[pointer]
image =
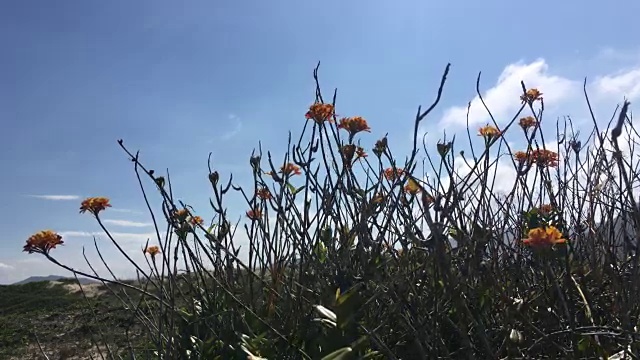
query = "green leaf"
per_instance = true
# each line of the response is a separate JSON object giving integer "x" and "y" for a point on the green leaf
{"x": 291, "y": 188}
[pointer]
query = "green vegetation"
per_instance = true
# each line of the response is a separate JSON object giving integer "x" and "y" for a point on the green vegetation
{"x": 352, "y": 253}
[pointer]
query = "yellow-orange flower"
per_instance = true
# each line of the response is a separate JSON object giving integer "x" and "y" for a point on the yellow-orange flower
{"x": 289, "y": 169}
{"x": 530, "y": 96}
{"x": 520, "y": 156}
{"x": 181, "y": 215}
{"x": 528, "y": 122}
{"x": 42, "y": 242}
{"x": 489, "y": 132}
{"x": 412, "y": 187}
{"x": 94, "y": 205}
{"x": 254, "y": 214}
{"x": 152, "y": 250}
{"x": 389, "y": 174}
{"x": 540, "y": 237}
{"x": 320, "y": 113}
{"x": 196, "y": 220}
{"x": 544, "y": 158}
{"x": 354, "y": 124}
{"x": 263, "y": 193}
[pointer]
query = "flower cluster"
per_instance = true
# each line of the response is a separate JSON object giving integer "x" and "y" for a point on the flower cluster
{"x": 391, "y": 175}
{"x": 544, "y": 236}
{"x": 180, "y": 215}
{"x": 254, "y": 214}
{"x": 263, "y": 193}
{"x": 94, "y": 205}
{"x": 530, "y": 96}
{"x": 152, "y": 250}
{"x": 320, "y": 113}
{"x": 354, "y": 125}
{"x": 489, "y": 132}
{"x": 542, "y": 157}
{"x": 196, "y": 220}
{"x": 528, "y": 122}
{"x": 290, "y": 169}
{"x": 42, "y": 242}
{"x": 520, "y": 156}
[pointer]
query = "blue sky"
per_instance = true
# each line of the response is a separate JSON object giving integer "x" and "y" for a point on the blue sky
{"x": 178, "y": 82}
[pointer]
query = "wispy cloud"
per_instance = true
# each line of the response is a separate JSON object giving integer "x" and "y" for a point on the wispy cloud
{"x": 5, "y": 266}
{"x": 128, "y": 211}
{"x": 56, "y": 197}
{"x": 126, "y": 223}
{"x": 236, "y": 130}
{"x": 118, "y": 236}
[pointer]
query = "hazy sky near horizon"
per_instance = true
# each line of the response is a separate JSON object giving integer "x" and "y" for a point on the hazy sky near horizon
{"x": 177, "y": 82}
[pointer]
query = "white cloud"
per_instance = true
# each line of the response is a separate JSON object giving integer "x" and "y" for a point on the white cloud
{"x": 56, "y": 197}
{"x": 127, "y": 223}
{"x": 5, "y": 266}
{"x": 503, "y": 99}
{"x": 625, "y": 83}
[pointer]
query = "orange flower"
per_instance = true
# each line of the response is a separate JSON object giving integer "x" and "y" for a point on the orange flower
{"x": 289, "y": 169}
{"x": 94, "y": 205}
{"x": 42, "y": 242}
{"x": 520, "y": 156}
{"x": 540, "y": 237}
{"x": 152, "y": 250}
{"x": 528, "y": 122}
{"x": 412, "y": 187}
{"x": 196, "y": 220}
{"x": 544, "y": 158}
{"x": 389, "y": 174}
{"x": 254, "y": 214}
{"x": 489, "y": 132}
{"x": 320, "y": 113}
{"x": 530, "y": 96}
{"x": 181, "y": 214}
{"x": 354, "y": 125}
{"x": 263, "y": 193}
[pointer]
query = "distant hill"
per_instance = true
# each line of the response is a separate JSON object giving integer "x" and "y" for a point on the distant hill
{"x": 83, "y": 281}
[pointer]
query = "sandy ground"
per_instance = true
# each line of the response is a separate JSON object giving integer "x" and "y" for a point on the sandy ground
{"x": 90, "y": 290}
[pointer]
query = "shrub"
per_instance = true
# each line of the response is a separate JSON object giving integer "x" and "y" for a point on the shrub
{"x": 353, "y": 253}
